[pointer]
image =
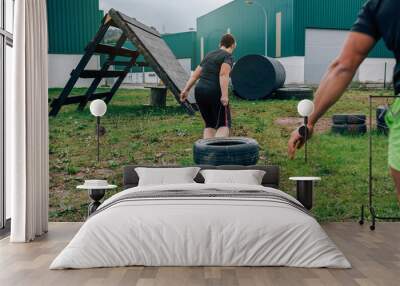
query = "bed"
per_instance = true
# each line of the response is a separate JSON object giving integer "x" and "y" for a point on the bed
{"x": 198, "y": 224}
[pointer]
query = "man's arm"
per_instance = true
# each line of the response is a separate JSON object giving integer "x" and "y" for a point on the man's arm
{"x": 339, "y": 75}
{"x": 224, "y": 82}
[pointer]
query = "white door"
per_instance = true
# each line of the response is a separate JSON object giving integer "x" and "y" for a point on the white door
{"x": 322, "y": 47}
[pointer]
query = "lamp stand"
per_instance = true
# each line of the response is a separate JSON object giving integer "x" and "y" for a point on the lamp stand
{"x": 306, "y": 138}
{"x": 98, "y": 137}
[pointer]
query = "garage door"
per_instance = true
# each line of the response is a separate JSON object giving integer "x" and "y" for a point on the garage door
{"x": 322, "y": 47}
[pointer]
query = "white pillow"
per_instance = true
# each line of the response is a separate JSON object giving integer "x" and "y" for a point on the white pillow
{"x": 166, "y": 176}
{"x": 246, "y": 177}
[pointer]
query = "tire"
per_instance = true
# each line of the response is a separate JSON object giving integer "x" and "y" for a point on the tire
{"x": 380, "y": 120}
{"x": 349, "y": 129}
{"x": 383, "y": 130}
{"x": 356, "y": 119}
{"x": 381, "y": 112}
{"x": 294, "y": 93}
{"x": 226, "y": 151}
{"x": 349, "y": 119}
{"x": 339, "y": 119}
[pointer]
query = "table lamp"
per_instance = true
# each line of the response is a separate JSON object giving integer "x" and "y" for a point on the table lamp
{"x": 305, "y": 108}
{"x": 98, "y": 108}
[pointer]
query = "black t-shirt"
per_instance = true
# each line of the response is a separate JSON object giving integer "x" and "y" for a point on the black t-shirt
{"x": 381, "y": 19}
{"x": 211, "y": 67}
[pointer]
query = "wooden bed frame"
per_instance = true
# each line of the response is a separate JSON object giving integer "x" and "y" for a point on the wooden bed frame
{"x": 271, "y": 177}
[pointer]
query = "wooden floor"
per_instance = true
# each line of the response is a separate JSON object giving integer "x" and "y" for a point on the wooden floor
{"x": 375, "y": 257}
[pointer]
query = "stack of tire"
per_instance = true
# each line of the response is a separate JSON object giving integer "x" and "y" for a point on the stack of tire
{"x": 380, "y": 120}
{"x": 349, "y": 124}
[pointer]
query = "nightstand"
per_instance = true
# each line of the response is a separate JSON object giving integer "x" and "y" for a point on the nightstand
{"x": 304, "y": 190}
{"x": 96, "y": 190}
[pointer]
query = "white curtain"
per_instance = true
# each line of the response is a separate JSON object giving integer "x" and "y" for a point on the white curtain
{"x": 27, "y": 124}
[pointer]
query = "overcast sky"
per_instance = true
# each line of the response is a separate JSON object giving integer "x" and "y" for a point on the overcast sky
{"x": 169, "y": 16}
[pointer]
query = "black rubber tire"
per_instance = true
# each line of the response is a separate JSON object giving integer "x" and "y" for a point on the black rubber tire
{"x": 349, "y": 129}
{"x": 383, "y": 130}
{"x": 381, "y": 112}
{"x": 226, "y": 151}
{"x": 339, "y": 119}
{"x": 298, "y": 93}
{"x": 356, "y": 119}
{"x": 349, "y": 119}
{"x": 380, "y": 120}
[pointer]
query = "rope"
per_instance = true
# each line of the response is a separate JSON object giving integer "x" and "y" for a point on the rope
{"x": 219, "y": 116}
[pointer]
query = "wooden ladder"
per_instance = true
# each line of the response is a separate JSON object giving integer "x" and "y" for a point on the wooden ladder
{"x": 96, "y": 47}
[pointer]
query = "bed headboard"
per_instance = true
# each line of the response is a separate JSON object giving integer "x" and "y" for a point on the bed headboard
{"x": 271, "y": 178}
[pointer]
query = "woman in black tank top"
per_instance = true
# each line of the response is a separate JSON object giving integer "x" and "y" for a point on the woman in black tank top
{"x": 212, "y": 89}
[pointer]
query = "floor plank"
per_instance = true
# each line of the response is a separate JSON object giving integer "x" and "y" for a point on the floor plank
{"x": 375, "y": 257}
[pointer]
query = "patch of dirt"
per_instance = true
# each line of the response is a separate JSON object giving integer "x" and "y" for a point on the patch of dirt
{"x": 291, "y": 123}
{"x": 324, "y": 124}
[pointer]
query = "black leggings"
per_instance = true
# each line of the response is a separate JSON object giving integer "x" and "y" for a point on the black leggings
{"x": 214, "y": 114}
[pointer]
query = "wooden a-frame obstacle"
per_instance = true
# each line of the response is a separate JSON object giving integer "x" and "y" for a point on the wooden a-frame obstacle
{"x": 148, "y": 43}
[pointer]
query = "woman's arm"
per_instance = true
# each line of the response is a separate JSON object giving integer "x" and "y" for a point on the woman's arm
{"x": 192, "y": 81}
{"x": 224, "y": 82}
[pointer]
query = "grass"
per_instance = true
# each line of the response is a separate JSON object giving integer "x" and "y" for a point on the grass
{"x": 138, "y": 134}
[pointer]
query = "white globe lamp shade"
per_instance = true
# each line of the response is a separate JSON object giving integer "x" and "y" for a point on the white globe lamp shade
{"x": 305, "y": 108}
{"x": 98, "y": 108}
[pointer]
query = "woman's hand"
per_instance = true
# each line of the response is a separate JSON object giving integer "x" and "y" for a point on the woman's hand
{"x": 225, "y": 100}
{"x": 184, "y": 95}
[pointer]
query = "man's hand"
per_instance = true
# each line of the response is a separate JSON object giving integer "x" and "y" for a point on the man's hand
{"x": 184, "y": 95}
{"x": 225, "y": 100}
{"x": 296, "y": 141}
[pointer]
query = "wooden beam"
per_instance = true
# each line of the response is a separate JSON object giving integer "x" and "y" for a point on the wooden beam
{"x": 115, "y": 51}
{"x": 119, "y": 63}
{"x": 79, "y": 98}
{"x": 142, "y": 64}
{"x": 100, "y": 74}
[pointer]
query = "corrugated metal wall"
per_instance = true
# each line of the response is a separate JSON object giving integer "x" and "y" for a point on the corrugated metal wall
{"x": 72, "y": 24}
{"x": 247, "y": 24}
{"x": 328, "y": 14}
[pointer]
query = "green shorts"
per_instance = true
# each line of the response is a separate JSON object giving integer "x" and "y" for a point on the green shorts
{"x": 393, "y": 121}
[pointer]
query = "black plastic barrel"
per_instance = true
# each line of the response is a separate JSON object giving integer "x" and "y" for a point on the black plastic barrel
{"x": 257, "y": 77}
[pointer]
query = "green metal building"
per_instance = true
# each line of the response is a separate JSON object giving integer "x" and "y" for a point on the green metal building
{"x": 289, "y": 30}
{"x": 247, "y": 23}
{"x": 305, "y": 35}
{"x": 71, "y": 25}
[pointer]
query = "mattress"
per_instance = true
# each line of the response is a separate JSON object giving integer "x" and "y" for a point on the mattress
{"x": 201, "y": 225}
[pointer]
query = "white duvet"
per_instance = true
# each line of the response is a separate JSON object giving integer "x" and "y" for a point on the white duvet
{"x": 200, "y": 232}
